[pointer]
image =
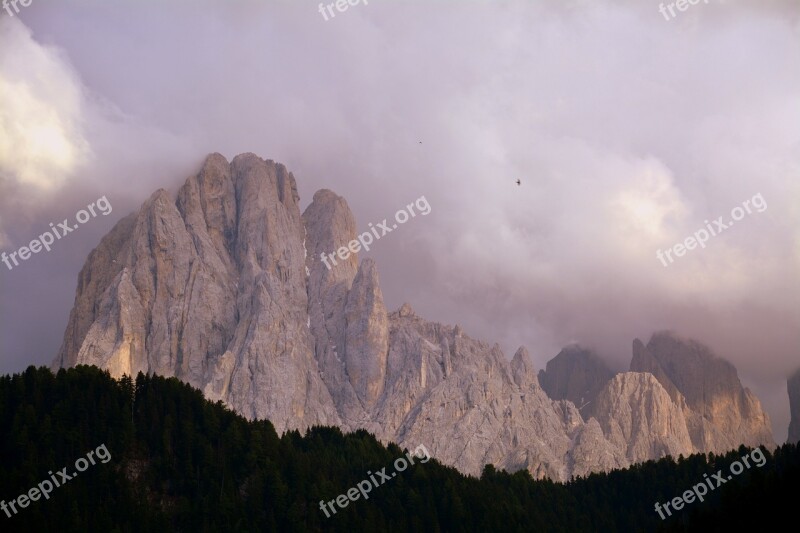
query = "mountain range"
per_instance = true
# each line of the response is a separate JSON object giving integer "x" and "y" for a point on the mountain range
{"x": 222, "y": 287}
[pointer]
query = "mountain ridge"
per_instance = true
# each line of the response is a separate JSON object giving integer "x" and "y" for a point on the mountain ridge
{"x": 222, "y": 288}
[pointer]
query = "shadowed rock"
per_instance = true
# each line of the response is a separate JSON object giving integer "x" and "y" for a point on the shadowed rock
{"x": 577, "y": 375}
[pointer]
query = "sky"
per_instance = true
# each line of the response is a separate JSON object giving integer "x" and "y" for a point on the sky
{"x": 627, "y": 129}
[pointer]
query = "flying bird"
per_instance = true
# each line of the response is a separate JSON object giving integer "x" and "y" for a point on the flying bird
{"x": 519, "y": 182}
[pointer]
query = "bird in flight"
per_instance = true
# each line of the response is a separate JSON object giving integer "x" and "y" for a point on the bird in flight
{"x": 519, "y": 182}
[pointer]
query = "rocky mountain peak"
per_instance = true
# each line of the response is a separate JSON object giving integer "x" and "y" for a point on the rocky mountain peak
{"x": 726, "y": 413}
{"x": 406, "y": 311}
{"x": 651, "y": 428}
{"x": 575, "y": 374}
{"x": 522, "y": 369}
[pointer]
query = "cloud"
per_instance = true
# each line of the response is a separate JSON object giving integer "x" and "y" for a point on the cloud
{"x": 41, "y": 137}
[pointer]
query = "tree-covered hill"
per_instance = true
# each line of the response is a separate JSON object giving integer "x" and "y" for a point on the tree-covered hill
{"x": 181, "y": 463}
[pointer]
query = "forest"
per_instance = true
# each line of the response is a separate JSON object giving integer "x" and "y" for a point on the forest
{"x": 182, "y": 463}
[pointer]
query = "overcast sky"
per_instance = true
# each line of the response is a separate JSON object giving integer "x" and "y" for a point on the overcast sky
{"x": 627, "y": 131}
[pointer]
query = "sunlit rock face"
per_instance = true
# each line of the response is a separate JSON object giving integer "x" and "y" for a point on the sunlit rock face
{"x": 720, "y": 412}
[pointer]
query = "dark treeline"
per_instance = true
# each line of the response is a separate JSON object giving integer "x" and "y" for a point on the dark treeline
{"x": 181, "y": 463}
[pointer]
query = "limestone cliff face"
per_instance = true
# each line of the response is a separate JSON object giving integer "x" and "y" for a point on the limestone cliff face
{"x": 224, "y": 288}
{"x": 793, "y": 386}
{"x": 637, "y": 415}
{"x": 366, "y": 335}
{"x": 211, "y": 289}
{"x": 329, "y": 223}
{"x": 721, "y": 413}
{"x": 471, "y": 406}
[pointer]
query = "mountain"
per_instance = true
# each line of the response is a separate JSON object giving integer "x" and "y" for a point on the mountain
{"x": 793, "y": 386}
{"x": 575, "y": 374}
{"x": 721, "y": 414}
{"x": 645, "y": 429}
{"x": 175, "y": 461}
{"x": 223, "y": 288}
